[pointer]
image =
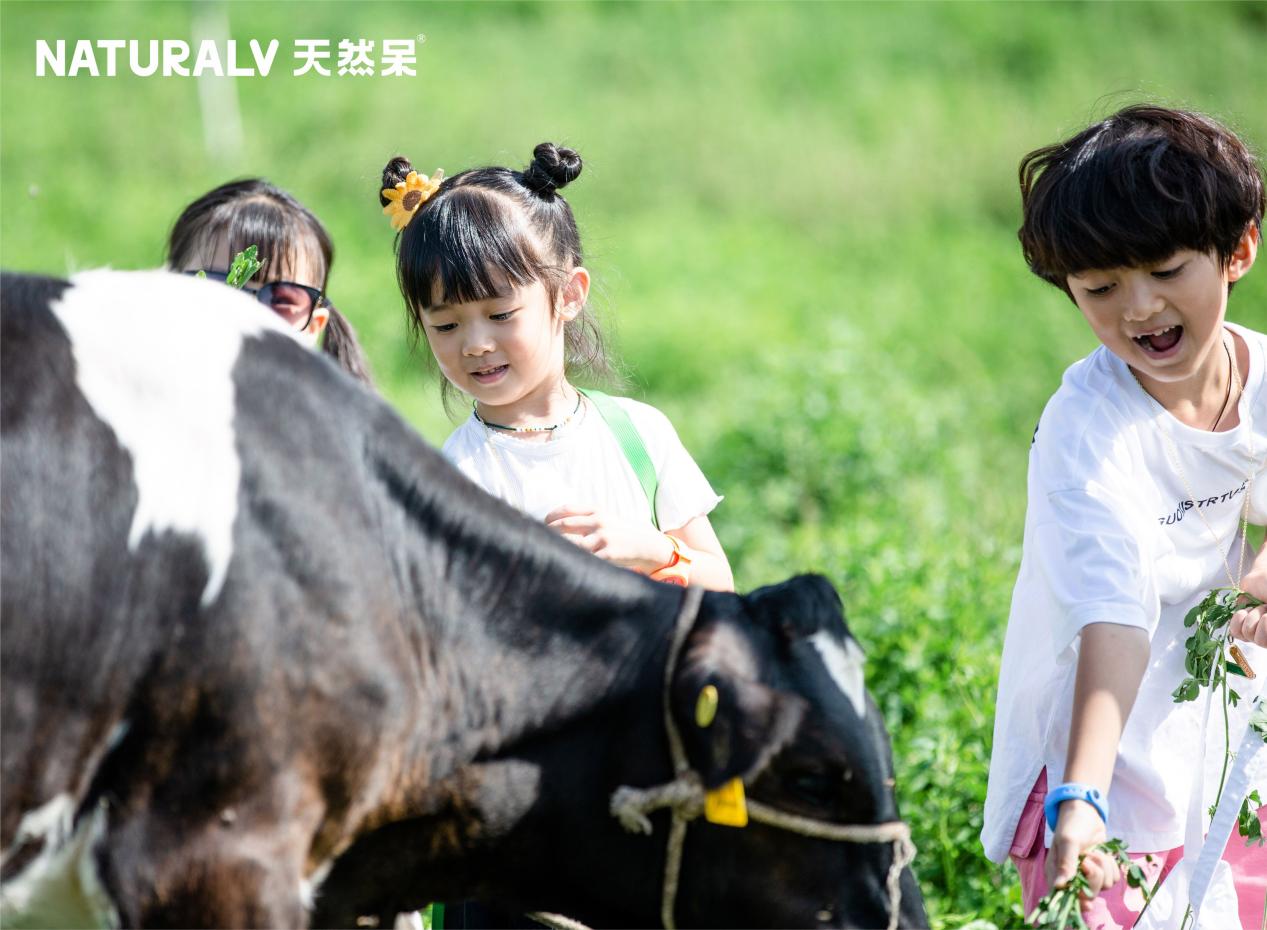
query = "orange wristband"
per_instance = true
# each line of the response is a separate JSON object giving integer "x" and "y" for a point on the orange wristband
{"x": 678, "y": 569}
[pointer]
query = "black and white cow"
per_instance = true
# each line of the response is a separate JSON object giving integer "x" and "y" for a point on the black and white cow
{"x": 267, "y": 659}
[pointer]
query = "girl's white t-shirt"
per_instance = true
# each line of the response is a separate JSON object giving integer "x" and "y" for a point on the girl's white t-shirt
{"x": 582, "y": 465}
{"x": 1114, "y": 534}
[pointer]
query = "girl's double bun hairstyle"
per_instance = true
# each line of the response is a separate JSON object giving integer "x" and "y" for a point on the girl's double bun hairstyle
{"x": 1134, "y": 189}
{"x": 489, "y": 229}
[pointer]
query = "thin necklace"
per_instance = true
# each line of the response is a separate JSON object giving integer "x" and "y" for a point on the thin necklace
{"x": 529, "y": 429}
{"x": 1172, "y": 452}
{"x": 1228, "y": 396}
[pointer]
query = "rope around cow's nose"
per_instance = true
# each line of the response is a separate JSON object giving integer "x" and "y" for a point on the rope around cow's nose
{"x": 684, "y": 796}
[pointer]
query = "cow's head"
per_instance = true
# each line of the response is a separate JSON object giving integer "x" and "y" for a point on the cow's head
{"x": 530, "y": 829}
{"x": 794, "y": 722}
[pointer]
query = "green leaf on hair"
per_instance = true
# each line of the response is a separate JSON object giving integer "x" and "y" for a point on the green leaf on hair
{"x": 243, "y": 267}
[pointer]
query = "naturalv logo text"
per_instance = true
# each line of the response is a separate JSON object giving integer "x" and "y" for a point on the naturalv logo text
{"x": 177, "y": 58}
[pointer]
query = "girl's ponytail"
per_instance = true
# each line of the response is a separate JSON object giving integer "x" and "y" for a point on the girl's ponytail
{"x": 340, "y": 343}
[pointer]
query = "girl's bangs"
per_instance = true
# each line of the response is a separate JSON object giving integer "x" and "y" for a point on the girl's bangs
{"x": 282, "y": 242}
{"x": 469, "y": 248}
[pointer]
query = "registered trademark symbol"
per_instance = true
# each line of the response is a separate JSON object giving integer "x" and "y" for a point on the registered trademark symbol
{"x": 421, "y": 37}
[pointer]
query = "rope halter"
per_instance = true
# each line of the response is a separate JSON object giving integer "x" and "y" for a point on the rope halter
{"x": 684, "y": 797}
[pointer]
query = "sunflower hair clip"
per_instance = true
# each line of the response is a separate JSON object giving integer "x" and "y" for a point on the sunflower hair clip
{"x": 408, "y": 195}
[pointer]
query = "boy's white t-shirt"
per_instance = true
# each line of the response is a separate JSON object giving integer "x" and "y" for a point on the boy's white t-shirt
{"x": 582, "y": 465}
{"x": 1113, "y": 536}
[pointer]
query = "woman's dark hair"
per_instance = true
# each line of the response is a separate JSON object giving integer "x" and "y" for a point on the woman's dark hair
{"x": 488, "y": 226}
{"x": 254, "y": 212}
{"x": 1134, "y": 189}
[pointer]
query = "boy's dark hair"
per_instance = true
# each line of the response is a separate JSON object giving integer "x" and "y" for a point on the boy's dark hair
{"x": 1134, "y": 189}
{"x": 488, "y": 226}
{"x": 250, "y": 212}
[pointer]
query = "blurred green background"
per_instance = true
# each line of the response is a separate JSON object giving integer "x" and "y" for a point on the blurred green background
{"x": 801, "y": 220}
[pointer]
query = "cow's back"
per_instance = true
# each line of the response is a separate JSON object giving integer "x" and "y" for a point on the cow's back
{"x": 72, "y": 643}
{"x": 200, "y": 618}
{"x": 188, "y": 546}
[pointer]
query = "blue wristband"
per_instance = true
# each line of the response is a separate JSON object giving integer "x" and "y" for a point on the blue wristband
{"x": 1074, "y": 791}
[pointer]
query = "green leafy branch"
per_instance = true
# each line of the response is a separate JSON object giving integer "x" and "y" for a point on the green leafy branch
{"x": 1206, "y": 662}
{"x": 1207, "y": 665}
{"x": 1062, "y": 907}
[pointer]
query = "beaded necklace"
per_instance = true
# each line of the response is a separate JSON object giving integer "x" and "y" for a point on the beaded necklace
{"x": 528, "y": 429}
{"x": 1172, "y": 453}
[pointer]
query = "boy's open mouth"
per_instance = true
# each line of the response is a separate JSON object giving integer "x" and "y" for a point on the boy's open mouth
{"x": 1160, "y": 342}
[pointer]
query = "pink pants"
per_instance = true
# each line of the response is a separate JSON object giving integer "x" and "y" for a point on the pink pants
{"x": 1117, "y": 908}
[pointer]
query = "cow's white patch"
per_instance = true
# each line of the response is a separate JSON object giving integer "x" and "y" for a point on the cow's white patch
{"x": 311, "y": 886}
{"x": 49, "y": 822}
{"x": 60, "y": 887}
{"x": 154, "y": 355}
{"x": 845, "y": 665}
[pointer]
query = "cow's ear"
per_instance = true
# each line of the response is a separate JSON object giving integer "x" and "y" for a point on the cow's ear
{"x": 731, "y": 723}
{"x": 798, "y": 607}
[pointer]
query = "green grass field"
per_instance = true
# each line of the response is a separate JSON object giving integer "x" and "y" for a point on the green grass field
{"x": 801, "y": 220}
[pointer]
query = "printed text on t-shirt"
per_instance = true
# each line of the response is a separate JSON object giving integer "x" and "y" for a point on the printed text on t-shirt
{"x": 1184, "y": 506}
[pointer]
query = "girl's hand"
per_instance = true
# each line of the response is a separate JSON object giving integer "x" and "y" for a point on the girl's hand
{"x": 1250, "y": 623}
{"x": 639, "y": 546}
{"x": 1079, "y": 829}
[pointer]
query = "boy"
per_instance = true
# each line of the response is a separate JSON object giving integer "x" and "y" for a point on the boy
{"x": 1147, "y": 465}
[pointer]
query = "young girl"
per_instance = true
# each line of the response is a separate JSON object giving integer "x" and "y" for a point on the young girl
{"x": 295, "y": 251}
{"x": 1147, "y": 465}
{"x": 489, "y": 263}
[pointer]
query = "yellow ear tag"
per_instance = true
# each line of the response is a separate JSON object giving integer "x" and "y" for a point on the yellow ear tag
{"x": 726, "y": 805}
{"x": 706, "y": 706}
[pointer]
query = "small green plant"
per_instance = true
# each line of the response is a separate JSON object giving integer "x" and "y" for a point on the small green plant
{"x": 1207, "y": 665}
{"x": 1247, "y": 823}
{"x": 1207, "y": 662}
{"x": 1062, "y": 908}
{"x": 242, "y": 269}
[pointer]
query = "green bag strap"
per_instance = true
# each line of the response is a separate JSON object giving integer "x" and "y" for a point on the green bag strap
{"x": 630, "y": 443}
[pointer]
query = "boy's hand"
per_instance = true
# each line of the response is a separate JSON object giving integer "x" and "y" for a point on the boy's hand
{"x": 1078, "y": 829}
{"x": 638, "y": 546}
{"x": 1250, "y": 623}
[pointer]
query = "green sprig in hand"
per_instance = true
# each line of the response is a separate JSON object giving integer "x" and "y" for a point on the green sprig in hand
{"x": 1207, "y": 662}
{"x": 1207, "y": 665}
{"x": 1061, "y": 908}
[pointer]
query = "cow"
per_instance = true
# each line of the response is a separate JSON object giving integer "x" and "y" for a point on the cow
{"x": 268, "y": 660}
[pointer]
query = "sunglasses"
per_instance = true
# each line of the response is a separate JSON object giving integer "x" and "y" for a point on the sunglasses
{"x": 294, "y": 303}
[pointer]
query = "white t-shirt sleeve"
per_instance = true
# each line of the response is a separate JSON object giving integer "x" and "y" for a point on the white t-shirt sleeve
{"x": 1093, "y": 567}
{"x": 1090, "y": 534}
{"x": 683, "y": 493}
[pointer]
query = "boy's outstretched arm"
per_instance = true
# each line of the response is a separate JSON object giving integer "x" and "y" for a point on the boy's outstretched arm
{"x": 1111, "y": 663}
